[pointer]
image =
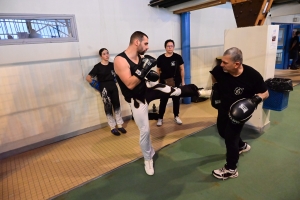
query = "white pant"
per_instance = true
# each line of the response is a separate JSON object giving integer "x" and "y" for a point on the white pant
{"x": 140, "y": 113}
{"x": 141, "y": 119}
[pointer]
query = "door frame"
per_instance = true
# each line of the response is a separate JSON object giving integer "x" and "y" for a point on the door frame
{"x": 286, "y": 44}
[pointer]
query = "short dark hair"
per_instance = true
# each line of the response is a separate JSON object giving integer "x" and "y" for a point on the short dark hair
{"x": 235, "y": 54}
{"x": 137, "y": 35}
{"x": 169, "y": 40}
{"x": 101, "y": 50}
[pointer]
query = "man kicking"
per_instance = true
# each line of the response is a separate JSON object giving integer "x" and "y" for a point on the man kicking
{"x": 139, "y": 87}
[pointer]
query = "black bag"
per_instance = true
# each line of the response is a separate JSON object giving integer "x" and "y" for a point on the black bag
{"x": 152, "y": 113}
{"x": 280, "y": 84}
{"x": 197, "y": 99}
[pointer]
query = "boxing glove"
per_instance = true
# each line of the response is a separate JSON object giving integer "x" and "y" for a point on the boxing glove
{"x": 152, "y": 76}
{"x": 242, "y": 110}
{"x": 145, "y": 66}
{"x": 215, "y": 96}
{"x": 95, "y": 84}
{"x": 256, "y": 100}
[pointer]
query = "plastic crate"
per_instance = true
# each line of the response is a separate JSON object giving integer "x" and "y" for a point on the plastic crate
{"x": 277, "y": 100}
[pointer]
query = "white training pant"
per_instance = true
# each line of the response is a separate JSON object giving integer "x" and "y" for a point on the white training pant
{"x": 140, "y": 114}
{"x": 141, "y": 119}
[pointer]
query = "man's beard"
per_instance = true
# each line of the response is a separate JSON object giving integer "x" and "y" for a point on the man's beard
{"x": 141, "y": 52}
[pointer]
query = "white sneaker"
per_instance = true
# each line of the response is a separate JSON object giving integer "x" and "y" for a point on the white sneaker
{"x": 149, "y": 167}
{"x": 178, "y": 120}
{"x": 159, "y": 122}
{"x": 204, "y": 93}
{"x": 245, "y": 148}
{"x": 224, "y": 173}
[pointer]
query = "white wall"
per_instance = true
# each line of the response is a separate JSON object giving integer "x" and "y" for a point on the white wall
{"x": 285, "y": 9}
{"x": 43, "y": 89}
{"x": 207, "y": 40}
{"x": 284, "y": 13}
{"x": 44, "y": 94}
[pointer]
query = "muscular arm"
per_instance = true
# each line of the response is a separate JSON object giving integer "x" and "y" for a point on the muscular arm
{"x": 181, "y": 67}
{"x": 122, "y": 69}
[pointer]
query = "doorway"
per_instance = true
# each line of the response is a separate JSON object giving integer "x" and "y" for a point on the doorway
{"x": 284, "y": 38}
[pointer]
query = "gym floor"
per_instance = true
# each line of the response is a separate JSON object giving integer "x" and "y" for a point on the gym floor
{"x": 51, "y": 170}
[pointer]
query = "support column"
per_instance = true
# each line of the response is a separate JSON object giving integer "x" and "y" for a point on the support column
{"x": 186, "y": 50}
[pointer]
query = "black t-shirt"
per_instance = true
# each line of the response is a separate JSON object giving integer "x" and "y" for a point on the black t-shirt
{"x": 296, "y": 47}
{"x": 104, "y": 73}
{"x": 170, "y": 66}
{"x": 140, "y": 90}
{"x": 231, "y": 88}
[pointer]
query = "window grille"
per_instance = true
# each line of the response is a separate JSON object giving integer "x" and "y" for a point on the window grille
{"x": 33, "y": 28}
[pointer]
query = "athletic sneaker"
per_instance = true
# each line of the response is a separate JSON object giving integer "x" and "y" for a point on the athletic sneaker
{"x": 178, "y": 120}
{"x": 122, "y": 130}
{"x": 115, "y": 132}
{"x": 149, "y": 167}
{"x": 224, "y": 173}
{"x": 245, "y": 148}
{"x": 159, "y": 122}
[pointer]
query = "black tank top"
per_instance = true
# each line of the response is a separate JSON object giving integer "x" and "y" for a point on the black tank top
{"x": 139, "y": 91}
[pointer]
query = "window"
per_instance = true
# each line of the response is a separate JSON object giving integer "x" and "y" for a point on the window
{"x": 28, "y": 29}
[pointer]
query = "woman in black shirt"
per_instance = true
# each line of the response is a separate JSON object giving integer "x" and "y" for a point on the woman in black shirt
{"x": 103, "y": 76}
{"x": 170, "y": 65}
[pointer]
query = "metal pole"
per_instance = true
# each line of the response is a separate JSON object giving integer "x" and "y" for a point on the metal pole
{"x": 186, "y": 50}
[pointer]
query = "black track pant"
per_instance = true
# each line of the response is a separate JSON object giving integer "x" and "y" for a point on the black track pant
{"x": 231, "y": 133}
{"x": 110, "y": 97}
{"x": 163, "y": 104}
{"x": 295, "y": 56}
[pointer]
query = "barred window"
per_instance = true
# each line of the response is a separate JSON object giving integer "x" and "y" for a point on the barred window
{"x": 28, "y": 29}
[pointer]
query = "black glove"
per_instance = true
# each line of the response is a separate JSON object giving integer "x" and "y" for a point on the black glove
{"x": 256, "y": 100}
{"x": 215, "y": 96}
{"x": 145, "y": 66}
{"x": 242, "y": 110}
{"x": 95, "y": 84}
{"x": 152, "y": 76}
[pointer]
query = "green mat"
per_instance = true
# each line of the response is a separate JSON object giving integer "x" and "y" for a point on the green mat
{"x": 270, "y": 171}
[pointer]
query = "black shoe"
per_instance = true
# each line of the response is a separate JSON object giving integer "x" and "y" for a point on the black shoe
{"x": 122, "y": 130}
{"x": 115, "y": 132}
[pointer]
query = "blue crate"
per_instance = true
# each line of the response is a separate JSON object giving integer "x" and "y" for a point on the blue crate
{"x": 277, "y": 100}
